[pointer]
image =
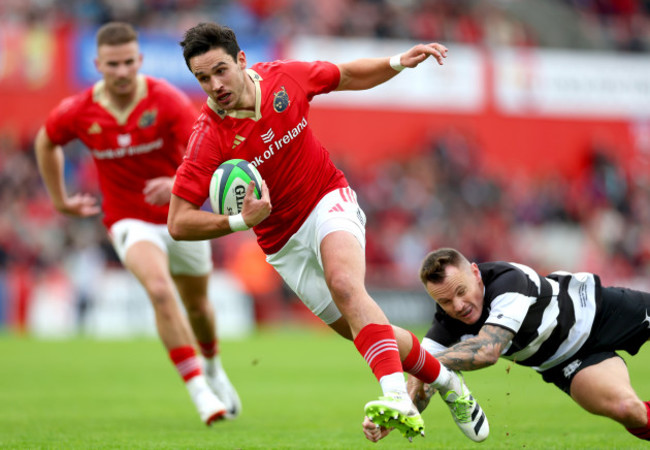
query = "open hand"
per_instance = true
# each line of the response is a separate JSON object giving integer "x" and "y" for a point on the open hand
{"x": 158, "y": 191}
{"x": 80, "y": 205}
{"x": 420, "y": 52}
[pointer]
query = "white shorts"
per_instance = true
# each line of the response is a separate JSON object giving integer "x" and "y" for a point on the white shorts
{"x": 299, "y": 261}
{"x": 185, "y": 257}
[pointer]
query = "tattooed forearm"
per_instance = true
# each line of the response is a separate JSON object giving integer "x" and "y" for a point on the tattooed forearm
{"x": 478, "y": 352}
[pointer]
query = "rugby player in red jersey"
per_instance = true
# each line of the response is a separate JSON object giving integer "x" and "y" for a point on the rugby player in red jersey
{"x": 307, "y": 221}
{"x": 136, "y": 128}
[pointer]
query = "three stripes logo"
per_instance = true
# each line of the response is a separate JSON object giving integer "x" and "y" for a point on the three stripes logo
{"x": 94, "y": 128}
{"x": 268, "y": 136}
{"x": 238, "y": 140}
{"x": 348, "y": 196}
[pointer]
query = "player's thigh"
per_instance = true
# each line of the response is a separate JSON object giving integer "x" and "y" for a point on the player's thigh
{"x": 601, "y": 388}
{"x": 189, "y": 258}
{"x": 190, "y": 264}
{"x": 298, "y": 265}
{"x": 340, "y": 233}
{"x": 342, "y": 256}
{"x": 142, "y": 250}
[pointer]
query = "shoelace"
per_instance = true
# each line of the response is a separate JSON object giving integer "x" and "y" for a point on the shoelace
{"x": 461, "y": 408}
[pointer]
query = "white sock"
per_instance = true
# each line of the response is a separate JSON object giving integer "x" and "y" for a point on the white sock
{"x": 393, "y": 383}
{"x": 196, "y": 385}
{"x": 213, "y": 365}
{"x": 445, "y": 380}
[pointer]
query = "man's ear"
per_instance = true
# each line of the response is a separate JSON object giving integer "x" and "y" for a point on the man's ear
{"x": 475, "y": 271}
{"x": 241, "y": 59}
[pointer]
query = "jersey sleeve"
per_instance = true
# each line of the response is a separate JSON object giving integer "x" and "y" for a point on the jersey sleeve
{"x": 433, "y": 347}
{"x": 59, "y": 124}
{"x": 318, "y": 77}
{"x": 511, "y": 301}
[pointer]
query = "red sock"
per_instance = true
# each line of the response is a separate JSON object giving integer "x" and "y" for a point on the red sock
{"x": 378, "y": 346}
{"x": 186, "y": 362}
{"x": 209, "y": 349}
{"x": 420, "y": 363}
{"x": 643, "y": 432}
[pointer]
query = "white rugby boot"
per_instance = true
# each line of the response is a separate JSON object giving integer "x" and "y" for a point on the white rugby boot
{"x": 464, "y": 408}
{"x": 210, "y": 408}
{"x": 396, "y": 410}
{"x": 222, "y": 387}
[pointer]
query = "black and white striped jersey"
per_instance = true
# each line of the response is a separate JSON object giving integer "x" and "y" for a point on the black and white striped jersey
{"x": 551, "y": 316}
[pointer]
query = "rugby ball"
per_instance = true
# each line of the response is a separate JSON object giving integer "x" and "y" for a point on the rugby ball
{"x": 228, "y": 186}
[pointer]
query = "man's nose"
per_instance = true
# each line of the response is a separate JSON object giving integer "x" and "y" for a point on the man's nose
{"x": 122, "y": 70}
{"x": 215, "y": 84}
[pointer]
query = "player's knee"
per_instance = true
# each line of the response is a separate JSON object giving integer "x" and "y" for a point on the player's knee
{"x": 629, "y": 411}
{"x": 341, "y": 285}
{"x": 159, "y": 293}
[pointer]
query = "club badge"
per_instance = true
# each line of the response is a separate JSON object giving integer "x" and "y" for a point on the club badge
{"x": 148, "y": 118}
{"x": 281, "y": 100}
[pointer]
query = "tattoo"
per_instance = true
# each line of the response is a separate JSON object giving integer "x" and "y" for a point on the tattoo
{"x": 423, "y": 396}
{"x": 477, "y": 352}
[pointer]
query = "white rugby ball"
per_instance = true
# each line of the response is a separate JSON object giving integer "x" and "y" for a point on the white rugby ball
{"x": 228, "y": 186}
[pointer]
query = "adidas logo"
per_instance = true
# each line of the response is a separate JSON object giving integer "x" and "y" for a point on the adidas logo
{"x": 94, "y": 128}
{"x": 238, "y": 140}
{"x": 268, "y": 136}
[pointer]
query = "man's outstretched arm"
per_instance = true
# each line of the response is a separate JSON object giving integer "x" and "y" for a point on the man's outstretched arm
{"x": 477, "y": 352}
{"x": 474, "y": 353}
{"x": 367, "y": 73}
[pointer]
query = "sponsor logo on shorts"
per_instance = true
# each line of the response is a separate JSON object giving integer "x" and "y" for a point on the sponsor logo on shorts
{"x": 361, "y": 216}
{"x": 571, "y": 368}
{"x": 647, "y": 318}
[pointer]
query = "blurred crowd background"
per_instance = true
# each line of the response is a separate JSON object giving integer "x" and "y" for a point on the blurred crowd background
{"x": 595, "y": 220}
{"x": 603, "y": 24}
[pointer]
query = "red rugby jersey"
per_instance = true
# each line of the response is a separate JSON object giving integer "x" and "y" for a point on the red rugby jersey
{"x": 145, "y": 141}
{"x": 276, "y": 138}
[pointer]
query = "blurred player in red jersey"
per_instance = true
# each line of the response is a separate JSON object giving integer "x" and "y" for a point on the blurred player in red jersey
{"x": 314, "y": 235}
{"x": 136, "y": 128}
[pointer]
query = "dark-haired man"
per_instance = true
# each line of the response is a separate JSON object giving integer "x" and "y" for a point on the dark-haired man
{"x": 314, "y": 232}
{"x": 566, "y": 326}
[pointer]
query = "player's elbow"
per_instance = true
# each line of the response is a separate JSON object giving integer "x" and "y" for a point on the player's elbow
{"x": 174, "y": 228}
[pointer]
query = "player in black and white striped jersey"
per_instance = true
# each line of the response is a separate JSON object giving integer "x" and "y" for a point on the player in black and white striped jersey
{"x": 564, "y": 325}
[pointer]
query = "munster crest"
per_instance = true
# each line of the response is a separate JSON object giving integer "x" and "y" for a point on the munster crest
{"x": 148, "y": 118}
{"x": 281, "y": 100}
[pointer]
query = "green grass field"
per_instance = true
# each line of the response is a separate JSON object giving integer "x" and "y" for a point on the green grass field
{"x": 300, "y": 389}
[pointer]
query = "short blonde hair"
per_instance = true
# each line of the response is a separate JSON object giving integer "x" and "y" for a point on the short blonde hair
{"x": 116, "y": 33}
